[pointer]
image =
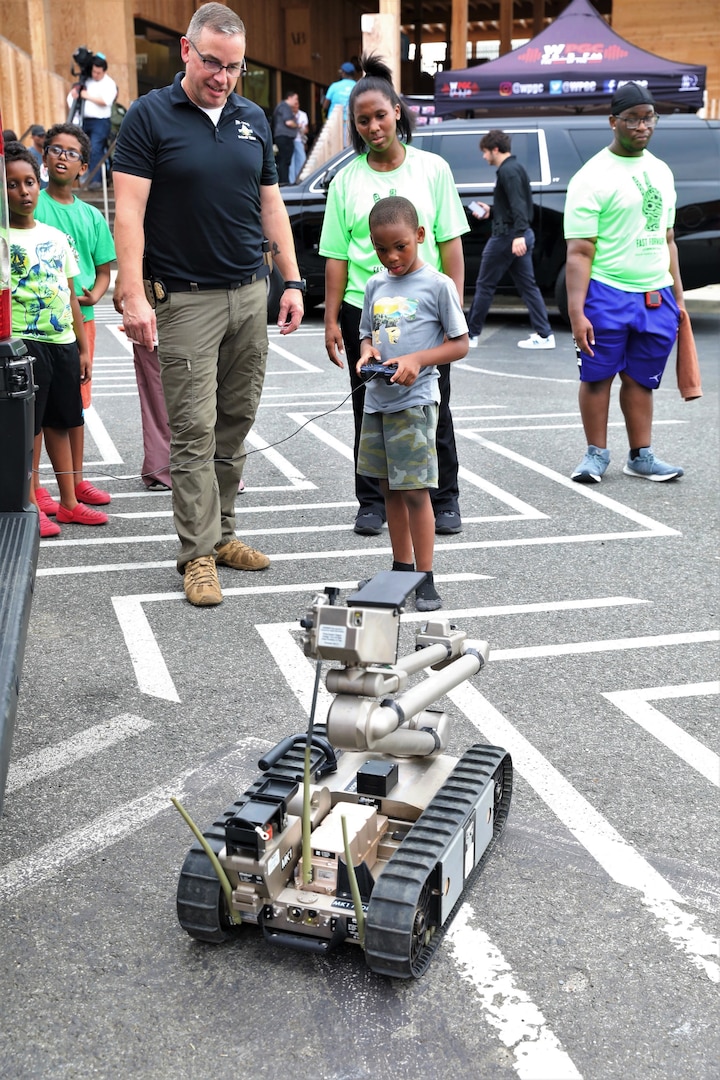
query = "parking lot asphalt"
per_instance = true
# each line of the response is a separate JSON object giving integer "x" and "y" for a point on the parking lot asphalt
{"x": 584, "y": 949}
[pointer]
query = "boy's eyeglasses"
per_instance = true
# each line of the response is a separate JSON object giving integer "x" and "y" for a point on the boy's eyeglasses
{"x": 632, "y": 124}
{"x": 215, "y": 67}
{"x": 58, "y": 151}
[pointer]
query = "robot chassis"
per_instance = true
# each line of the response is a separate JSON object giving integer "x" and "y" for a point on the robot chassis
{"x": 361, "y": 830}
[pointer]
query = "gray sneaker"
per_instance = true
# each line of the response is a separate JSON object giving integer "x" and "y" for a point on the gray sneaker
{"x": 592, "y": 467}
{"x": 648, "y": 467}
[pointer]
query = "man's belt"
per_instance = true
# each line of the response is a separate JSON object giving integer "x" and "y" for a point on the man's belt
{"x": 176, "y": 285}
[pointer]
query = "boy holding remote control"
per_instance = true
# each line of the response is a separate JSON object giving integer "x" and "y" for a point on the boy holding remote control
{"x": 411, "y": 322}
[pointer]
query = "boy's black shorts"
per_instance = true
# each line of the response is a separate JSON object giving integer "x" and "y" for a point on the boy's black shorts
{"x": 57, "y": 377}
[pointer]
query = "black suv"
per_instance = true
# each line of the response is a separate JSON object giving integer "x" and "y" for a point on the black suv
{"x": 552, "y": 149}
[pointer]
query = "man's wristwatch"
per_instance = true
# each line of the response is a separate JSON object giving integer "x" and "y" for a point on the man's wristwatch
{"x": 301, "y": 285}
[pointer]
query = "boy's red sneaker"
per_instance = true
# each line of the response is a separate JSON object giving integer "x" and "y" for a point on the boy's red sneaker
{"x": 46, "y": 503}
{"x": 81, "y": 515}
{"x": 86, "y": 492}
{"x": 48, "y": 527}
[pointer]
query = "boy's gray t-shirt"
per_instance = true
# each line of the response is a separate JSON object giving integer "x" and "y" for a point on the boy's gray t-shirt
{"x": 404, "y": 315}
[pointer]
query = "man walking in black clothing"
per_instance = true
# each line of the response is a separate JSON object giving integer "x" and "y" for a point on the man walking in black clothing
{"x": 510, "y": 246}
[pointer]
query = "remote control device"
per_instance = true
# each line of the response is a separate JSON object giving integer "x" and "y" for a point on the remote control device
{"x": 367, "y": 371}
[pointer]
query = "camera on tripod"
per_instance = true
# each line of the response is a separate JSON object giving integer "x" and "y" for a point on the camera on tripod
{"x": 83, "y": 57}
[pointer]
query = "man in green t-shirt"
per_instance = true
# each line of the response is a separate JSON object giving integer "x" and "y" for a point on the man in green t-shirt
{"x": 625, "y": 295}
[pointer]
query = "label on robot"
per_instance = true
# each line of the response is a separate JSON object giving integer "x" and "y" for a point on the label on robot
{"x": 286, "y": 858}
{"x": 332, "y": 636}
{"x": 273, "y": 861}
{"x": 346, "y": 905}
{"x": 369, "y": 800}
{"x": 469, "y": 846}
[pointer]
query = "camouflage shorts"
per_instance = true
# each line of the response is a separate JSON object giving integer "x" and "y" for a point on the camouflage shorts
{"x": 400, "y": 447}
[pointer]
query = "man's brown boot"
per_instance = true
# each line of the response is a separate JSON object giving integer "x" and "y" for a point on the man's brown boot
{"x": 200, "y": 581}
{"x": 240, "y": 557}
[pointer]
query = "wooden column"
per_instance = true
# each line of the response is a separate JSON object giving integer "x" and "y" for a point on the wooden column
{"x": 458, "y": 34}
{"x": 381, "y": 34}
{"x": 506, "y": 26}
{"x": 538, "y": 17}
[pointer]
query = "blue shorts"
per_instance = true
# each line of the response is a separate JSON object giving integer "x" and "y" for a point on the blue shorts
{"x": 629, "y": 336}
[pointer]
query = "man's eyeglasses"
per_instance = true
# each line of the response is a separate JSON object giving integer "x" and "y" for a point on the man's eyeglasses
{"x": 632, "y": 123}
{"x": 58, "y": 151}
{"x": 215, "y": 67}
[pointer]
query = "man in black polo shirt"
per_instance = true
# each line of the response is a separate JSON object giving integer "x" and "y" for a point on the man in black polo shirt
{"x": 196, "y": 192}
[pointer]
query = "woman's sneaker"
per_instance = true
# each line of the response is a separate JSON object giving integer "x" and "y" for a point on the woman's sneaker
{"x": 592, "y": 467}
{"x": 648, "y": 467}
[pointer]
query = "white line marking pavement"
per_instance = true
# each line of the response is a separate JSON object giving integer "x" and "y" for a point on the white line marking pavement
{"x": 577, "y": 648}
{"x": 323, "y": 436}
{"x": 42, "y": 763}
{"x": 63, "y": 852}
{"x": 120, "y": 336}
{"x": 276, "y": 509}
{"x": 304, "y": 365}
{"x": 635, "y": 705}
{"x": 524, "y": 509}
{"x": 106, "y": 447}
{"x": 151, "y": 672}
{"x": 286, "y": 468}
{"x": 655, "y": 528}
{"x": 550, "y": 427}
{"x": 462, "y": 366}
{"x": 519, "y": 1022}
{"x": 146, "y": 658}
{"x": 618, "y": 858}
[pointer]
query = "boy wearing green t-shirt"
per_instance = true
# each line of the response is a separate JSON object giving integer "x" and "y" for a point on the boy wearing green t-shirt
{"x": 67, "y": 150}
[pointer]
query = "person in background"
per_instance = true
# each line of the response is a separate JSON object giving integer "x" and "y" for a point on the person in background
{"x": 412, "y": 319}
{"x": 97, "y": 97}
{"x": 66, "y": 153}
{"x": 509, "y": 249}
{"x": 337, "y": 95}
{"x": 387, "y": 164}
{"x": 625, "y": 293}
{"x": 299, "y": 149}
{"x": 197, "y": 198}
{"x": 285, "y": 128}
{"x": 37, "y": 149}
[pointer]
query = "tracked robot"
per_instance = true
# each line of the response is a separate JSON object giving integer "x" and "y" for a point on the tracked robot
{"x": 361, "y": 830}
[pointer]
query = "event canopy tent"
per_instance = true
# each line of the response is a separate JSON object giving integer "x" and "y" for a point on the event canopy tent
{"x": 578, "y": 62}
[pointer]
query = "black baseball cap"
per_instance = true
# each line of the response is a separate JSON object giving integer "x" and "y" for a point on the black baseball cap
{"x": 37, "y": 129}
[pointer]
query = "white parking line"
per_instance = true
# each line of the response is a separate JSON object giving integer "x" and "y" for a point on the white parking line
{"x": 42, "y": 763}
{"x": 635, "y": 705}
{"x": 655, "y": 528}
{"x": 304, "y": 365}
{"x": 518, "y": 1021}
{"x": 285, "y": 467}
{"x": 108, "y": 451}
{"x": 63, "y": 853}
{"x": 146, "y": 656}
{"x": 618, "y": 858}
